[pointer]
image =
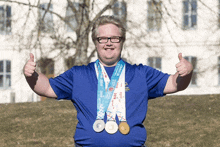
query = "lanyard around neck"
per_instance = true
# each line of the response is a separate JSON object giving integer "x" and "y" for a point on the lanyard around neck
{"x": 106, "y": 87}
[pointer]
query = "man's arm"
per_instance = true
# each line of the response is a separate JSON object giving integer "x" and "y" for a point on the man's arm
{"x": 181, "y": 79}
{"x": 39, "y": 83}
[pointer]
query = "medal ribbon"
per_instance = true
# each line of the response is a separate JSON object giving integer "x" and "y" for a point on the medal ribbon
{"x": 106, "y": 87}
{"x": 117, "y": 104}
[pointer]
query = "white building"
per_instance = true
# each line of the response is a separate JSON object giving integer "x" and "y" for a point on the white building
{"x": 157, "y": 32}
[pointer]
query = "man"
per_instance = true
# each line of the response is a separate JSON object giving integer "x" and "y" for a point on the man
{"x": 108, "y": 115}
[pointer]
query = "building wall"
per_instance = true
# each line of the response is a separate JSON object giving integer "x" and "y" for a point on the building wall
{"x": 202, "y": 42}
{"x": 171, "y": 39}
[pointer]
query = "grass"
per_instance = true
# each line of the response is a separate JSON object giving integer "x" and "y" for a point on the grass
{"x": 191, "y": 121}
{"x": 184, "y": 121}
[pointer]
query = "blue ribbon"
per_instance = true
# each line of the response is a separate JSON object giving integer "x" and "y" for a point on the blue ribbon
{"x": 104, "y": 96}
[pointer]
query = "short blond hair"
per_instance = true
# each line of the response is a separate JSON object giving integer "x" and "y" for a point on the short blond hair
{"x": 107, "y": 19}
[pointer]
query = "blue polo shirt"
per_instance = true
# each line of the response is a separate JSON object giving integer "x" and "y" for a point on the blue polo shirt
{"x": 79, "y": 84}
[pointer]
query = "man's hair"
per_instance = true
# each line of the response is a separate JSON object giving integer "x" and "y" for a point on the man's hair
{"x": 108, "y": 19}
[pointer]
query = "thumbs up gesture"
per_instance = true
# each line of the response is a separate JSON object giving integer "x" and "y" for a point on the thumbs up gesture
{"x": 30, "y": 66}
{"x": 184, "y": 67}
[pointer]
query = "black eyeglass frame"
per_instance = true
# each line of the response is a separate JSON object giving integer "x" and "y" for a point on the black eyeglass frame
{"x": 109, "y": 38}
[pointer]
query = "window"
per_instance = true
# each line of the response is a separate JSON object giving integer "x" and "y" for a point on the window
{"x": 5, "y": 74}
{"x": 69, "y": 62}
{"x": 120, "y": 11}
{"x": 46, "y": 18}
{"x": 154, "y": 15}
{"x": 155, "y": 62}
{"x": 47, "y": 67}
{"x": 189, "y": 14}
{"x": 193, "y": 60}
{"x": 71, "y": 13}
{"x": 219, "y": 70}
{"x": 5, "y": 20}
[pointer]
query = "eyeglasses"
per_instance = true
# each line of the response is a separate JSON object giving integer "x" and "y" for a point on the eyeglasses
{"x": 115, "y": 39}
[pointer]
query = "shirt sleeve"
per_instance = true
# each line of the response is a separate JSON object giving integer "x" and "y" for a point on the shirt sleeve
{"x": 63, "y": 85}
{"x": 156, "y": 81}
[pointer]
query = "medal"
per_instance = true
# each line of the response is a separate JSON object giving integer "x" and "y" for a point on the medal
{"x": 124, "y": 127}
{"x": 105, "y": 94}
{"x": 111, "y": 127}
{"x": 98, "y": 125}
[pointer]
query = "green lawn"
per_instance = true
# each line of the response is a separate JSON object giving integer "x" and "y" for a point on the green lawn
{"x": 192, "y": 121}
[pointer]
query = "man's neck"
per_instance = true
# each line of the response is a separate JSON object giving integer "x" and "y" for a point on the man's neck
{"x": 109, "y": 65}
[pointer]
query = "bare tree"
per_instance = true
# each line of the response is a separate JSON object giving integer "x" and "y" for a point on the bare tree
{"x": 81, "y": 26}
{"x": 80, "y": 22}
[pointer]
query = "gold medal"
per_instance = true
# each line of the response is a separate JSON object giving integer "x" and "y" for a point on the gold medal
{"x": 124, "y": 127}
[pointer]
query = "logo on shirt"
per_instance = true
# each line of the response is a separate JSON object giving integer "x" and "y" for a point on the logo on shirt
{"x": 126, "y": 87}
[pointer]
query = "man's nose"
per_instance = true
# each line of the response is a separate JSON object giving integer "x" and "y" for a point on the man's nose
{"x": 109, "y": 42}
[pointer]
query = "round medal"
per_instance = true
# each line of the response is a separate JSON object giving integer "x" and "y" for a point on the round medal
{"x": 111, "y": 127}
{"x": 124, "y": 127}
{"x": 99, "y": 125}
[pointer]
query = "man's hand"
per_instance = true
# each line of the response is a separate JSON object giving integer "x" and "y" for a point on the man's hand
{"x": 30, "y": 66}
{"x": 39, "y": 83}
{"x": 184, "y": 67}
{"x": 181, "y": 79}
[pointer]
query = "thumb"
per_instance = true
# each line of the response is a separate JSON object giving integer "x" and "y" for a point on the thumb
{"x": 31, "y": 57}
{"x": 180, "y": 56}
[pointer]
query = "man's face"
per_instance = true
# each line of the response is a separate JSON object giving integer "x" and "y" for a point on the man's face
{"x": 109, "y": 53}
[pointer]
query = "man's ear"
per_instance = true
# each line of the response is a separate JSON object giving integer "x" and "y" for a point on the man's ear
{"x": 95, "y": 43}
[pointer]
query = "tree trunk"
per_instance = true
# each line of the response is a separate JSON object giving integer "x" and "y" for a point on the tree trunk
{"x": 82, "y": 34}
